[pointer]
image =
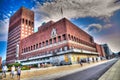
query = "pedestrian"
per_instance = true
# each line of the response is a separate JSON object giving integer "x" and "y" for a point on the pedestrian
{"x": 18, "y": 72}
{"x": 4, "y": 70}
{"x": 80, "y": 62}
{"x": 93, "y": 59}
{"x": 88, "y": 60}
{"x": 12, "y": 71}
{"x": 96, "y": 59}
{"x": 38, "y": 65}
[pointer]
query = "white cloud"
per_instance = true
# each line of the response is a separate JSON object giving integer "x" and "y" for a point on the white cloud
{"x": 94, "y": 28}
{"x": 74, "y": 9}
{"x": 4, "y": 29}
{"x": 113, "y": 40}
{"x": 107, "y": 25}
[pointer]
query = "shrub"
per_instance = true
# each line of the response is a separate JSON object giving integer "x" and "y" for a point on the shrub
{"x": 25, "y": 67}
{"x": 15, "y": 64}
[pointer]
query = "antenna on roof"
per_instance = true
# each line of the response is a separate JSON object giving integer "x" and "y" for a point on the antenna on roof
{"x": 61, "y": 11}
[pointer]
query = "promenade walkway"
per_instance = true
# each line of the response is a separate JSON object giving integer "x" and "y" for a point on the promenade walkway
{"x": 113, "y": 73}
{"x": 53, "y": 72}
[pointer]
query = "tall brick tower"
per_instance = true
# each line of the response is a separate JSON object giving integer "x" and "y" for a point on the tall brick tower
{"x": 21, "y": 25}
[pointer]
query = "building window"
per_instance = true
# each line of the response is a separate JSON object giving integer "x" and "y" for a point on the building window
{"x": 65, "y": 48}
{"x": 50, "y": 41}
{"x": 24, "y": 49}
{"x": 59, "y": 38}
{"x": 46, "y": 42}
{"x": 31, "y": 47}
{"x": 32, "y": 24}
{"x": 60, "y": 49}
{"x": 39, "y": 45}
{"x": 42, "y": 44}
{"x": 51, "y": 52}
{"x": 36, "y": 46}
{"x": 23, "y": 20}
{"x": 29, "y": 23}
{"x": 64, "y": 37}
{"x": 54, "y": 40}
{"x": 26, "y": 22}
{"x": 72, "y": 38}
{"x": 69, "y": 36}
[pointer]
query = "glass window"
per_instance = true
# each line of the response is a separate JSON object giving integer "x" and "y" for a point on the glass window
{"x": 26, "y": 22}
{"x": 39, "y": 45}
{"x": 64, "y": 37}
{"x": 54, "y": 40}
{"x": 46, "y": 42}
{"x": 23, "y": 20}
{"x": 50, "y": 41}
{"x": 36, "y": 46}
{"x": 59, "y": 38}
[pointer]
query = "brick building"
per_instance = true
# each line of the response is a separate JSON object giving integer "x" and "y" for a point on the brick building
{"x": 55, "y": 42}
{"x": 21, "y": 25}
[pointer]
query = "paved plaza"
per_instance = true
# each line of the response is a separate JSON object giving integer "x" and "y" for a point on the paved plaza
{"x": 52, "y": 73}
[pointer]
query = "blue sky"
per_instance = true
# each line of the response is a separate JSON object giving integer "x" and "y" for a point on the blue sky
{"x": 99, "y": 18}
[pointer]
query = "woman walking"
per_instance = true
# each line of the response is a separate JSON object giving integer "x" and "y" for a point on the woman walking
{"x": 12, "y": 71}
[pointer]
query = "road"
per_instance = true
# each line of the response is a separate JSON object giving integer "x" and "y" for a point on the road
{"x": 89, "y": 74}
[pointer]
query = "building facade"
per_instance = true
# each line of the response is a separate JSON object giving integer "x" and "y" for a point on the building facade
{"x": 21, "y": 25}
{"x": 56, "y": 43}
{"x": 107, "y": 50}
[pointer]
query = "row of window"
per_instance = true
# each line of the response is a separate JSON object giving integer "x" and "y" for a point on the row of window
{"x": 53, "y": 52}
{"x": 78, "y": 40}
{"x": 47, "y": 42}
{"x": 27, "y": 22}
{"x": 40, "y": 59}
{"x": 44, "y": 43}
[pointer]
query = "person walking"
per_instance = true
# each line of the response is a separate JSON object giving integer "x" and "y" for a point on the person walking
{"x": 80, "y": 62}
{"x": 18, "y": 72}
{"x": 4, "y": 70}
{"x": 93, "y": 59}
{"x": 88, "y": 60}
{"x": 12, "y": 71}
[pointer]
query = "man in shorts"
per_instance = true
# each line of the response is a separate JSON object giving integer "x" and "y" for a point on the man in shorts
{"x": 18, "y": 72}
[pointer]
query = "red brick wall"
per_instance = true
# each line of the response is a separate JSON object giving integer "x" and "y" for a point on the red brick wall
{"x": 16, "y": 21}
{"x": 75, "y": 31}
{"x": 100, "y": 50}
{"x": 62, "y": 26}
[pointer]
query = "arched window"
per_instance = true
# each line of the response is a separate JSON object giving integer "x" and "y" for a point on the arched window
{"x": 69, "y": 36}
{"x": 50, "y": 41}
{"x": 26, "y": 21}
{"x": 59, "y": 38}
{"x": 39, "y": 45}
{"x": 46, "y": 42}
{"x": 23, "y": 20}
{"x": 64, "y": 37}
{"x": 31, "y": 47}
{"x": 29, "y": 23}
{"x": 55, "y": 40}
{"x": 36, "y": 46}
